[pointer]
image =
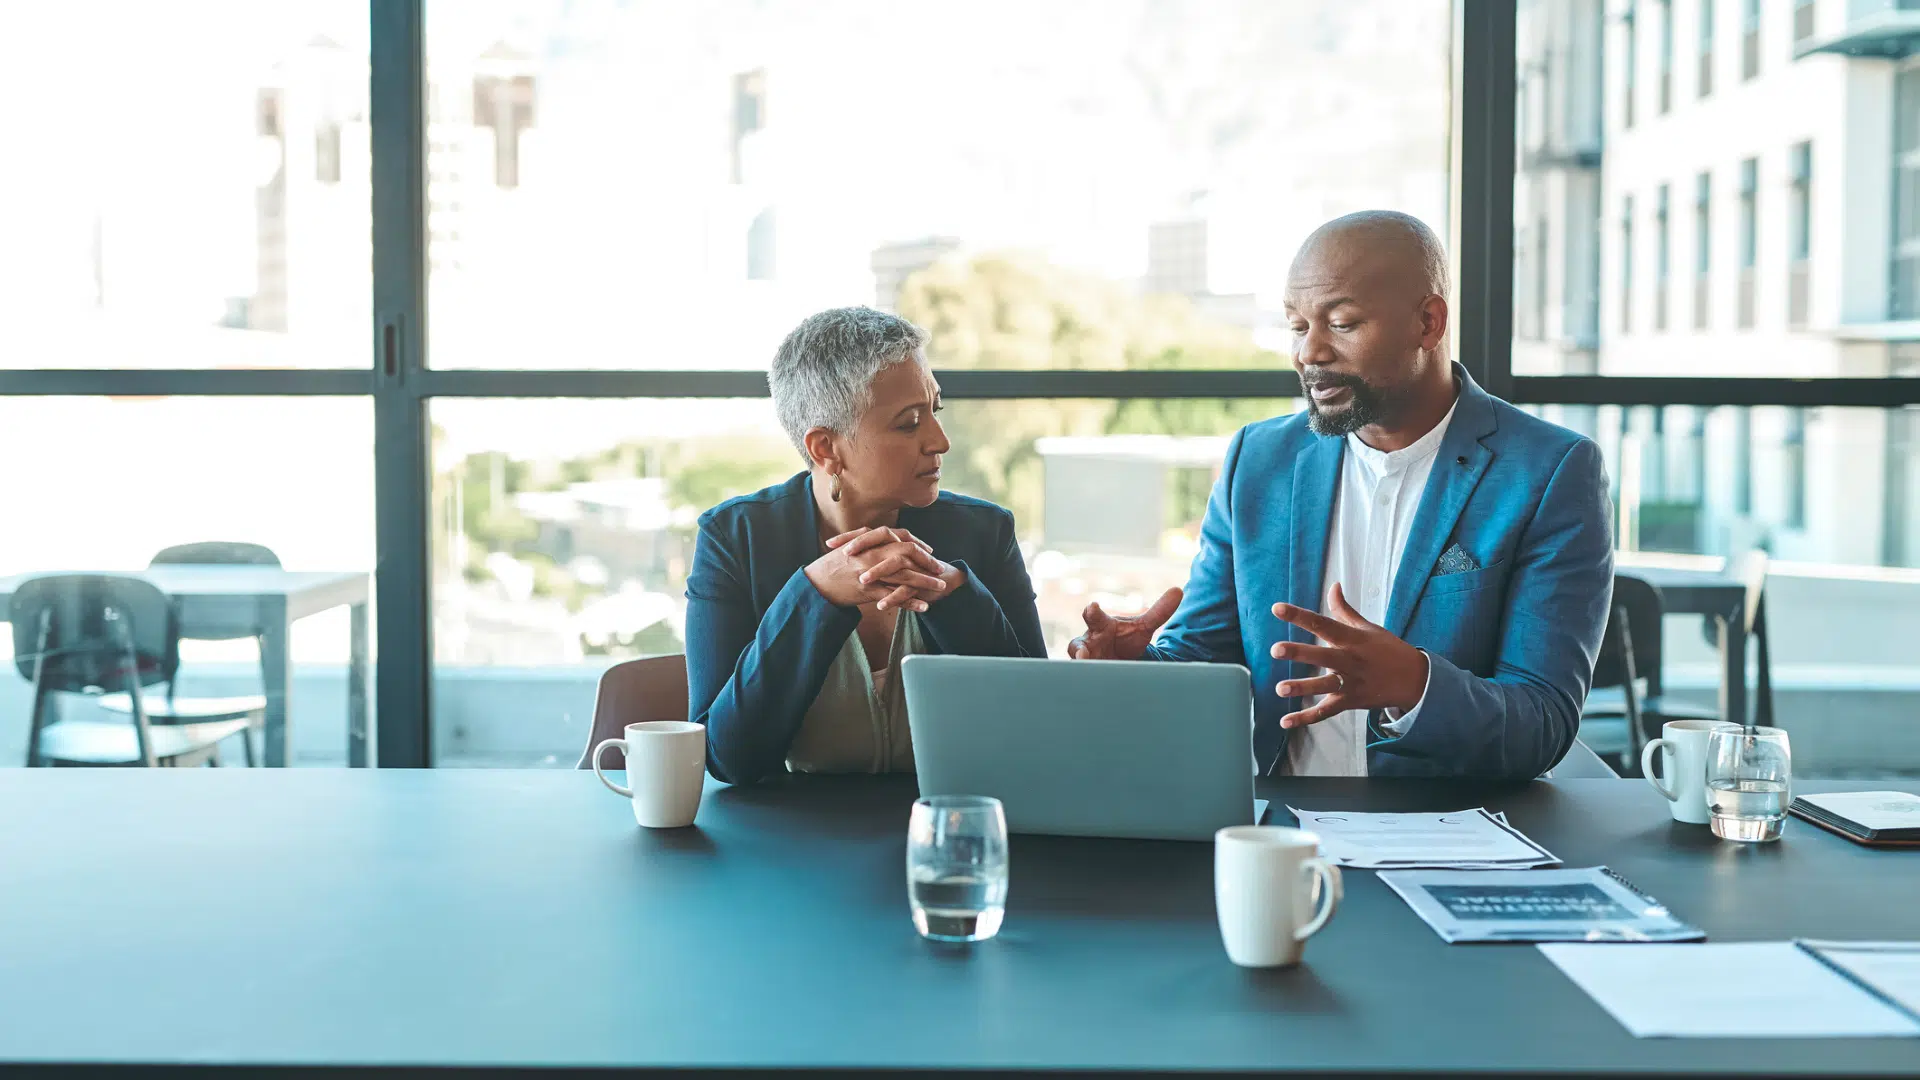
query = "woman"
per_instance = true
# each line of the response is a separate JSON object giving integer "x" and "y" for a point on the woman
{"x": 804, "y": 598}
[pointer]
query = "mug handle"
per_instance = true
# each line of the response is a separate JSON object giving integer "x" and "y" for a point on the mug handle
{"x": 1328, "y": 876}
{"x": 1646, "y": 768}
{"x": 611, "y": 786}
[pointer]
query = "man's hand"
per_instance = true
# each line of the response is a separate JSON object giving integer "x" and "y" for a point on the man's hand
{"x": 1122, "y": 637}
{"x": 1366, "y": 667}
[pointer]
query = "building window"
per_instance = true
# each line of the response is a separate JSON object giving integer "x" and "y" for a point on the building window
{"x": 1666, "y": 56}
{"x": 326, "y": 153}
{"x": 1540, "y": 275}
{"x": 1704, "y": 78}
{"x": 505, "y": 104}
{"x": 1749, "y": 238}
{"x": 1906, "y": 193}
{"x": 1750, "y": 41}
{"x": 1702, "y": 249}
{"x": 749, "y": 115}
{"x": 761, "y": 252}
{"x": 1661, "y": 253}
{"x": 1626, "y": 265}
{"x": 1800, "y": 251}
{"x": 1630, "y": 58}
{"x": 1793, "y": 472}
{"x": 1802, "y": 20}
{"x": 1743, "y": 461}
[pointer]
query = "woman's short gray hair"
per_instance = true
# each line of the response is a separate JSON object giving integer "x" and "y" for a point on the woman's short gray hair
{"x": 823, "y": 374}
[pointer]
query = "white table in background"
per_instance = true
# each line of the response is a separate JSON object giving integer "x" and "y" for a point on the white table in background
{"x": 272, "y": 599}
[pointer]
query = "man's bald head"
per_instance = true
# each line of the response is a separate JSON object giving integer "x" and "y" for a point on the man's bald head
{"x": 1382, "y": 241}
{"x": 1367, "y": 300}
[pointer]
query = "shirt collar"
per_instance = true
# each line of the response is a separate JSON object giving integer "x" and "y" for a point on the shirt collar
{"x": 1389, "y": 462}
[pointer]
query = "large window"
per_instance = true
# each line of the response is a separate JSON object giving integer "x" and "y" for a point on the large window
{"x": 563, "y": 531}
{"x": 481, "y": 292}
{"x": 185, "y": 185}
{"x": 691, "y": 180}
{"x": 109, "y": 484}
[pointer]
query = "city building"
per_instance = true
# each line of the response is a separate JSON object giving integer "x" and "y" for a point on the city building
{"x": 893, "y": 264}
{"x": 1707, "y": 188}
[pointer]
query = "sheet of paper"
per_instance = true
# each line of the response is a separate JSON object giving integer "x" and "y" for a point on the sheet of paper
{"x": 1770, "y": 989}
{"x": 1891, "y": 967}
{"x": 1466, "y": 838}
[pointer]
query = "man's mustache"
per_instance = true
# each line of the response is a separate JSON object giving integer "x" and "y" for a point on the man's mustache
{"x": 1332, "y": 379}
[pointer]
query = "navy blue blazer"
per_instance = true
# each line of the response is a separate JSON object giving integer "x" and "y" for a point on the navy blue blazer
{"x": 760, "y": 637}
{"x": 1511, "y": 623}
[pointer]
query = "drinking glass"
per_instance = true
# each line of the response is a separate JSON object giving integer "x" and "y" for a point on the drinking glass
{"x": 1749, "y": 782}
{"x": 957, "y": 867}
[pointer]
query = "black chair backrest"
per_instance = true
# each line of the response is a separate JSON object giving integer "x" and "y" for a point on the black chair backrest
{"x": 1636, "y": 616}
{"x": 76, "y": 631}
{"x": 217, "y": 552}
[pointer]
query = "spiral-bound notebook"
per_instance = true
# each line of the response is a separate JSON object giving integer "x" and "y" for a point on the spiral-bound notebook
{"x": 1589, "y": 904}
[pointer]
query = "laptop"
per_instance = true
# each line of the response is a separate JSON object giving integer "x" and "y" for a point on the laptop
{"x": 1087, "y": 748}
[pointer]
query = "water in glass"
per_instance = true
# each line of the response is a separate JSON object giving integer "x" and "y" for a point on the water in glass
{"x": 1749, "y": 782}
{"x": 957, "y": 867}
{"x": 1747, "y": 809}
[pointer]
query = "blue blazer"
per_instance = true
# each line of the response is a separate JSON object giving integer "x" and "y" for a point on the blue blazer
{"x": 1511, "y": 644}
{"x": 760, "y": 637}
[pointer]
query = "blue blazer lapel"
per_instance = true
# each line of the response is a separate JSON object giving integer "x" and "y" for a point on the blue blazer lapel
{"x": 1461, "y": 460}
{"x": 1316, "y": 474}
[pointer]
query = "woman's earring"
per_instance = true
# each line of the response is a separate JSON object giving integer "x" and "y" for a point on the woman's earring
{"x": 834, "y": 490}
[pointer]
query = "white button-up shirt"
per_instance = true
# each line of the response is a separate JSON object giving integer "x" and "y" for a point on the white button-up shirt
{"x": 1378, "y": 495}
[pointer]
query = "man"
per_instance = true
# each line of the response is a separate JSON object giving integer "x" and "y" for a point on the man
{"x": 1417, "y": 574}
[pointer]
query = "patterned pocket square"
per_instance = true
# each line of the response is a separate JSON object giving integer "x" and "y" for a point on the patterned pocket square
{"x": 1455, "y": 561}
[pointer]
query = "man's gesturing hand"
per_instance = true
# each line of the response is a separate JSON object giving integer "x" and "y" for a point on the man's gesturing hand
{"x": 1121, "y": 637}
{"x": 1366, "y": 667}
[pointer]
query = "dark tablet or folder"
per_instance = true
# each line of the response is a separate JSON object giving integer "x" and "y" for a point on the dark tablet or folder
{"x": 1873, "y": 818}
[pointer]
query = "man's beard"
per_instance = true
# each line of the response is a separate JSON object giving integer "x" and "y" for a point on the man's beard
{"x": 1363, "y": 406}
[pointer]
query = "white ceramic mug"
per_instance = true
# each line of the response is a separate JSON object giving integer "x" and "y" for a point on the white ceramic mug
{"x": 666, "y": 768}
{"x": 1684, "y": 764}
{"x": 1265, "y": 882}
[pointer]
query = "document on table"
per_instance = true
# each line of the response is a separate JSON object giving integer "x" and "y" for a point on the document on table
{"x": 1768, "y": 989}
{"x": 1889, "y": 968}
{"x": 1591, "y": 904}
{"x": 1463, "y": 840}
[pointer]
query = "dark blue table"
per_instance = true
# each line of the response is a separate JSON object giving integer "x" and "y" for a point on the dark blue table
{"x": 494, "y": 919}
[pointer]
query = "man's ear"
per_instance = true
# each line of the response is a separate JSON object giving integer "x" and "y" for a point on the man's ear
{"x": 1433, "y": 321}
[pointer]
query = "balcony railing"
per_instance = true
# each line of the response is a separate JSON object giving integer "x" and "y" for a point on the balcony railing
{"x": 1702, "y": 311}
{"x": 1704, "y": 82}
{"x": 1802, "y": 22}
{"x": 1798, "y": 286}
{"x": 1744, "y": 310}
{"x": 1750, "y": 54}
{"x": 1660, "y": 290}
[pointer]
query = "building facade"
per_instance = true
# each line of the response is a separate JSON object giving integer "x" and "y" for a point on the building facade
{"x": 1719, "y": 188}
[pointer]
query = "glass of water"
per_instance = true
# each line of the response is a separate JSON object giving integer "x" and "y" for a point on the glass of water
{"x": 957, "y": 867}
{"x": 1749, "y": 782}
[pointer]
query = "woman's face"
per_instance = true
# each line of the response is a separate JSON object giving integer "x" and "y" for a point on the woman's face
{"x": 894, "y": 456}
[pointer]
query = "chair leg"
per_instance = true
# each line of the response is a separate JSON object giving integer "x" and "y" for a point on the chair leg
{"x": 246, "y": 748}
{"x": 1630, "y": 688}
{"x": 36, "y": 718}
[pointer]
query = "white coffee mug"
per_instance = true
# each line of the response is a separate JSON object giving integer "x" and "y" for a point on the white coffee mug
{"x": 666, "y": 768}
{"x": 1266, "y": 880}
{"x": 1684, "y": 764}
